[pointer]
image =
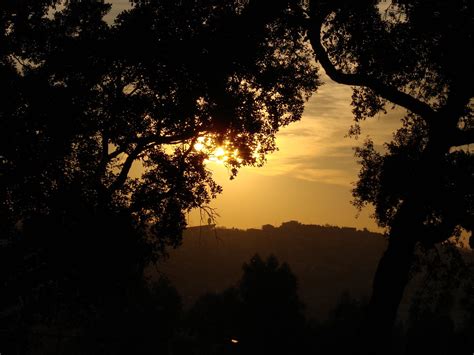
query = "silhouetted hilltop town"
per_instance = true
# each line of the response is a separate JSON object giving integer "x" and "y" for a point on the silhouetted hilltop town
{"x": 327, "y": 260}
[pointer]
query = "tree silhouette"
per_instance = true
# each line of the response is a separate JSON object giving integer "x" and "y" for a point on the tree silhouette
{"x": 215, "y": 320}
{"x": 440, "y": 318}
{"x": 272, "y": 309}
{"x": 340, "y": 333}
{"x": 84, "y": 101}
{"x": 416, "y": 55}
{"x": 263, "y": 314}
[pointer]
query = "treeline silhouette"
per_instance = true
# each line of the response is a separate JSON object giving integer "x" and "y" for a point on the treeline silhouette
{"x": 260, "y": 313}
{"x": 327, "y": 260}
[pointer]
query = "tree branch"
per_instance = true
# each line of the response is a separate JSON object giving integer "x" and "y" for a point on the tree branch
{"x": 143, "y": 144}
{"x": 388, "y": 92}
{"x": 127, "y": 165}
{"x": 116, "y": 153}
{"x": 20, "y": 62}
{"x": 155, "y": 139}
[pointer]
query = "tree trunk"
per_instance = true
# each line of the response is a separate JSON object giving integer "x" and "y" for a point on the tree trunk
{"x": 406, "y": 229}
{"x": 389, "y": 284}
{"x": 391, "y": 278}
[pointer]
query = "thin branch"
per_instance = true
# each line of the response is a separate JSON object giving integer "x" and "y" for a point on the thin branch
{"x": 156, "y": 140}
{"x": 134, "y": 90}
{"x": 153, "y": 140}
{"x": 190, "y": 148}
{"x": 19, "y": 61}
{"x": 143, "y": 144}
{"x": 388, "y": 92}
{"x": 127, "y": 165}
{"x": 116, "y": 153}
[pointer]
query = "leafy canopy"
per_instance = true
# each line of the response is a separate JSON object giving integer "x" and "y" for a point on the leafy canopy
{"x": 84, "y": 101}
{"x": 416, "y": 55}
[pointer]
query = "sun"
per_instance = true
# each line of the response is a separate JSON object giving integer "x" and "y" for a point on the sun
{"x": 216, "y": 154}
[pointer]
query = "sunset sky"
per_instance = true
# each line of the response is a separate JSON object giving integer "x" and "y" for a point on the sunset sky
{"x": 310, "y": 178}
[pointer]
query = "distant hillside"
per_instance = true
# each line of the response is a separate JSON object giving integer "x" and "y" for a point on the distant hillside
{"x": 327, "y": 260}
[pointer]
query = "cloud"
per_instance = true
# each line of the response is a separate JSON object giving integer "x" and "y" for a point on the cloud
{"x": 317, "y": 148}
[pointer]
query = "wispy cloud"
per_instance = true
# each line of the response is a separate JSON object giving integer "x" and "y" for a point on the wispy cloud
{"x": 317, "y": 148}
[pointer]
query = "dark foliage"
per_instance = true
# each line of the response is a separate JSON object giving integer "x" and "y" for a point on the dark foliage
{"x": 416, "y": 55}
{"x": 98, "y": 124}
{"x": 84, "y": 101}
{"x": 264, "y": 321}
{"x": 263, "y": 314}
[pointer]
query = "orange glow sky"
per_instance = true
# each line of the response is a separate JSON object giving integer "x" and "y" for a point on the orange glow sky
{"x": 310, "y": 178}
